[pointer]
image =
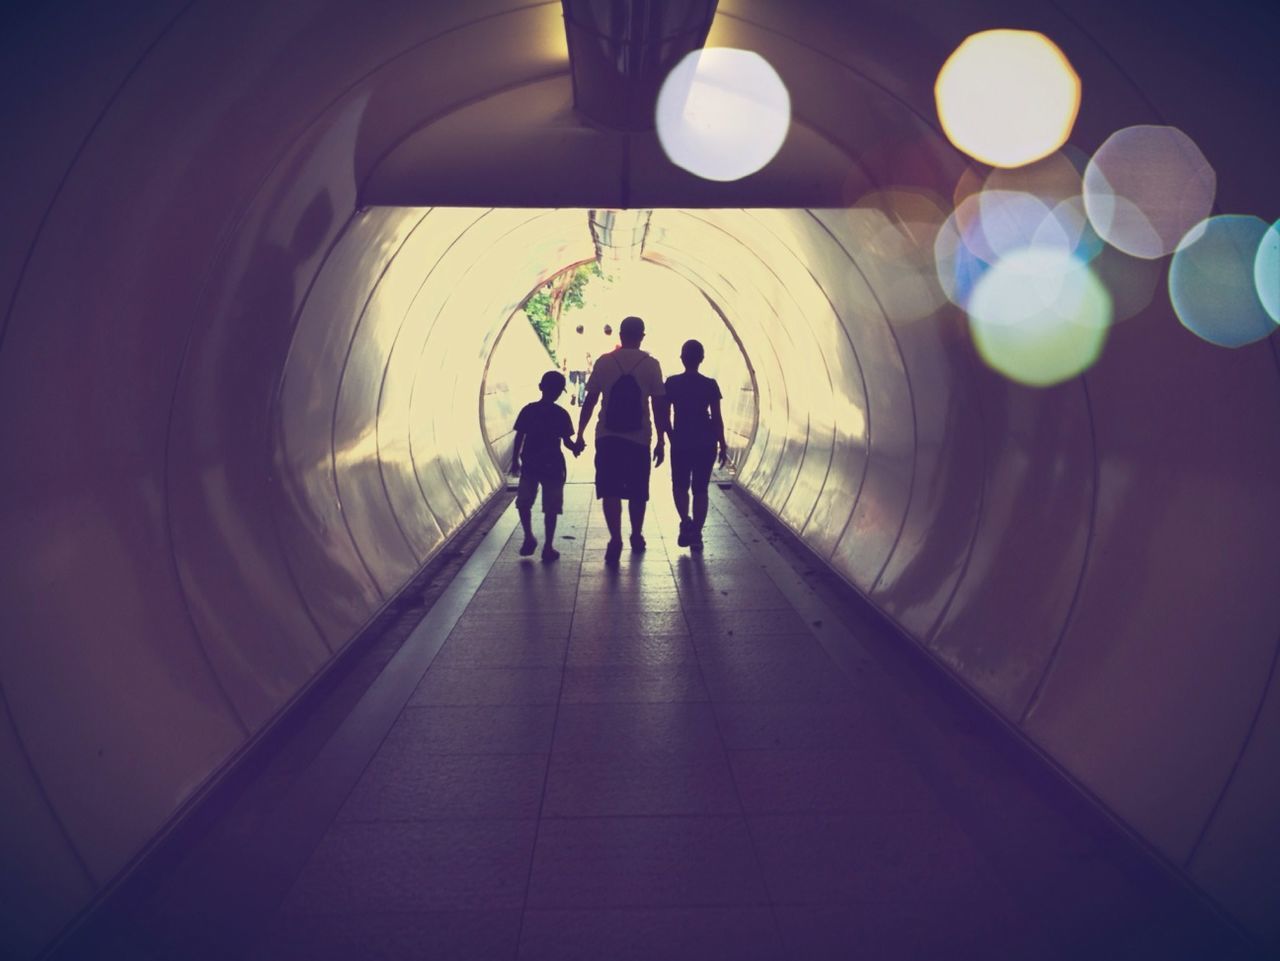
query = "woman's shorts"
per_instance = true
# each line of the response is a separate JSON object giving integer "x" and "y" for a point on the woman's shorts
{"x": 692, "y": 467}
{"x": 622, "y": 469}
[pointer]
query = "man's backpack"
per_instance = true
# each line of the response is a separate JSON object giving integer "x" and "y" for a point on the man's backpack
{"x": 624, "y": 410}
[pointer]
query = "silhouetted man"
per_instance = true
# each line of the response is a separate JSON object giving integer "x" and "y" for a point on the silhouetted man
{"x": 630, "y": 382}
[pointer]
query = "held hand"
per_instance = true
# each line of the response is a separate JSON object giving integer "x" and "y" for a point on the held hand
{"x": 659, "y": 454}
{"x": 724, "y": 455}
{"x": 515, "y": 467}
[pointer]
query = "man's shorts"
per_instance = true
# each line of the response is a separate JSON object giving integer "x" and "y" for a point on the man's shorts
{"x": 622, "y": 469}
{"x": 692, "y": 467}
{"x": 552, "y": 493}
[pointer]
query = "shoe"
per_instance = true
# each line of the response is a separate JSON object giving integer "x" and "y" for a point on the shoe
{"x": 612, "y": 554}
{"x": 529, "y": 546}
{"x": 550, "y": 554}
{"x": 695, "y": 542}
{"x": 686, "y": 528}
{"x": 637, "y": 543}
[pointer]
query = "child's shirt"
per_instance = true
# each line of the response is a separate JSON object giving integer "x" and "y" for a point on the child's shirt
{"x": 544, "y": 424}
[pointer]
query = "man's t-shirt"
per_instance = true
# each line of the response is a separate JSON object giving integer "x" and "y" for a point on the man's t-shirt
{"x": 544, "y": 424}
{"x": 691, "y": 396}
{"x": 648, "y": 374}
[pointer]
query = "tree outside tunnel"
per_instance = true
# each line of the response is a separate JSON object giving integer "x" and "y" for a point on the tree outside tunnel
{"x": 564, "y": 292}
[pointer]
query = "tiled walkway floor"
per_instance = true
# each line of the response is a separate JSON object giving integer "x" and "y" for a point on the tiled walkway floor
{"x": 665, "y": 762}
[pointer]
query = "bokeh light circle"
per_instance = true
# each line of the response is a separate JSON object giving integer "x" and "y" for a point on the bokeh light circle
{"x": 957, "y": 266}
{"x": 722, "y": 113}
{"x": 1039, "y": 316}
{"x": 1266, "y": 271}
{"x": 1146, "y": 187}
{"x": 1007, "y": 97}
{"x": 1211, "y": 281}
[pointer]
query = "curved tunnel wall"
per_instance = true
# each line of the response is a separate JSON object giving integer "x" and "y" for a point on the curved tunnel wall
{"x": 224, "y": 387}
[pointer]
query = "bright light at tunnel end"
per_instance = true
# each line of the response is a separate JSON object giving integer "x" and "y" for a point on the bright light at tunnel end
{"x": 722, "y": 113}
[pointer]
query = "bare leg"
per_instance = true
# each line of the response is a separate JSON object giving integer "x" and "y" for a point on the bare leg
{"x": 526, "y": 521}
{"x": 701, "y": 503}
{"x": 681, "y": 495}
{"x": 612, "y": 507}
{"x": 549, "y": 553}
{"x": 636, "y": 510}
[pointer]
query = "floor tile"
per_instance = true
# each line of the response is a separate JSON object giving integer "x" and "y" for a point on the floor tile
{"x": 788, "y": 725}
{"x": 635, "y": 622}
{"x": 602, "y": 651}
{"x": 588, "y": 785}
{"x": 620, "y": 862}
{"x": 456, "y": 935}
{"x": 738, "y": 622}
{"x": 633, "y": 683}
{"x": 876, "y": 856}
{"x": 878, "y": 779}
{"x": 474, "y": 729}
{"x": 810, "y": 681}
{"x": 651, "y": 934}
{"x": 488, "y": 685}
{"x": 401, "y": 786}
{"x": 670, "y": 728}
{"x": 911, "y": 931}
{"x": 499, "y": 650}
{"x": 395, "y": 866}
{"x": 500, "y": 623}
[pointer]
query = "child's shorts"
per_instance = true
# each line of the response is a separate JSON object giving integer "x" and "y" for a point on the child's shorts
{"x": 552, "y": 493}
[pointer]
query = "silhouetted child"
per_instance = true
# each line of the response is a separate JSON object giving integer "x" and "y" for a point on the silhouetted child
{"x": 541, "y": 428}
{"x": 696, "y": 432}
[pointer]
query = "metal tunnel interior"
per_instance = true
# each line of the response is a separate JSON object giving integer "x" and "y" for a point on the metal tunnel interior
{"x": 258, "y": 264}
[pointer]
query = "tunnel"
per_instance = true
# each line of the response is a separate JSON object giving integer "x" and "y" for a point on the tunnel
{"x": 261, "y": 350}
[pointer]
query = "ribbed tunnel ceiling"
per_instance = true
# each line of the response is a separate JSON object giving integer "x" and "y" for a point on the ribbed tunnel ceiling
{"x": 245, "y": 245}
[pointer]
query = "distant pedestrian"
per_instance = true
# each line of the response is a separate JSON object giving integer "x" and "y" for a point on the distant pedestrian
{"x": 630, "y": 382}
{"x": 541, "y": 427}
{"x": 697, "y": 432}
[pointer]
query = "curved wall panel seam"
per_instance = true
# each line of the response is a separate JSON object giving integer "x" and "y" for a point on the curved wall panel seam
{"x": 808, "y": 424}
{"x": 926, "y": 119}
{"x": 911, "y": 400}
{"x": 44, "y": 794}
{"x": 1116, "y": 64}
{"x": 1054, "y": 652}
{"x": 857, "y": 360}
{"x": 427, "y": 122}
{"x": 333, "y": 419}
{"x": 382, "y": 381}
{"x": 1274, "y": 343}
{"x": 835, "y": 436}
{"x": 780, "y": 460}
{"x": 277, "y": 427}
{"x": 75, "y": 159}
{"x": 417, "y": 475}
{"x": 980, "y": 510}
{"x": 1235, "y": 766}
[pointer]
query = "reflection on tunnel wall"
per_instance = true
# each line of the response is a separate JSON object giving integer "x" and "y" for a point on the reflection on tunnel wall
{"x": 1094, "y": 560}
